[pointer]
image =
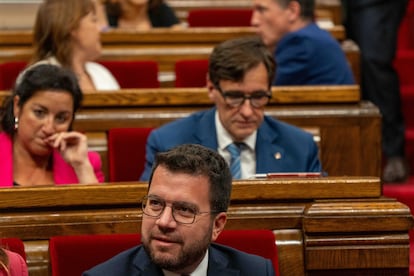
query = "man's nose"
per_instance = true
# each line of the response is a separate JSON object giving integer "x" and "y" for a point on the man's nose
{"x": 166, "y": 218}
{"x": 246, "y": 109}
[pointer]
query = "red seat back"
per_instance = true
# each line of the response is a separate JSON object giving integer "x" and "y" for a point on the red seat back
{"x": 126, "y": 153}
{"x": 258, "y": 242}
{"x": 191, "y": 73}
{"x": 14, "y": 244}
{"x": 72, "y": 255}
{"x": 134, "y": 74}
{"x": 219, "y": 17}
{"x": 406, "y": 29}
{"x": 9, "y": 71}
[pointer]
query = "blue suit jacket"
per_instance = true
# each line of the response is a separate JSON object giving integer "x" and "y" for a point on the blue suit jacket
{"x": 311, "y": 56}
{"x": 298, "y": 151}
{"x": 223, "y": 261}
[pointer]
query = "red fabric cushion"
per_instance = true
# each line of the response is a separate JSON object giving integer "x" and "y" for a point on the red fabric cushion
{"x": 191, "y": 73}
{"x": 9, "y": 71}
{"x": 406, "y": 30}
{"x": 126, "y": 153}
{"x": 219, "y": 17}
{"x": 14, "y": 244}
{"x": 72, "y": 255}
{"x": 258, "y": 242}
{"x": 134, "y": 74}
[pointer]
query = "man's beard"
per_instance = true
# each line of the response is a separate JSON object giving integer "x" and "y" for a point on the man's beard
{"x": 189, "y": 255}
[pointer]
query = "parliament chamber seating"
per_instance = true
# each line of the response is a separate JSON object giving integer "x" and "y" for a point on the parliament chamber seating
{"x": 134, "y": 73}
{"x": 13, "y": 244}
{"x": 235, "y": 17}
{"x": 323, "y": 226}
{"x": 9, "y": 72}
{"x": 191, "y": 73}
{"x": 129, "y": 74}
{"x": 342, "y": 125}
{"x": 162, "y": 45}
{"x": 71, "y": 255}
{"x": 126, "y": 153}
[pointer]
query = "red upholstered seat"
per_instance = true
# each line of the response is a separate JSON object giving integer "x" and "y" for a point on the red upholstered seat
{"x": 219, "y": 17}
{"x": 9, "y": 71}
{"x": 14, "y": 244}
{"x": 72, "y": 255}
{"x": 134, "y": 74}
{"x": 258, "y": 242}
{"x": 126, "y": 153}
{"x": 191, "y": 73}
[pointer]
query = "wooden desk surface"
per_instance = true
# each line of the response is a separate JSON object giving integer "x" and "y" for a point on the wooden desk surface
{"x": 160, "y": 36}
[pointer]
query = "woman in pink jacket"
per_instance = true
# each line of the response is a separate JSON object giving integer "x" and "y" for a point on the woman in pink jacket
{"x": 38, "y": 145}
{"x": 12, "y": 264}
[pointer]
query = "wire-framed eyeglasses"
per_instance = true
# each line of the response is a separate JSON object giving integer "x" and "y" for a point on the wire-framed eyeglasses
{"x": 235, "y": 98}
{"x": 182, "y": 212}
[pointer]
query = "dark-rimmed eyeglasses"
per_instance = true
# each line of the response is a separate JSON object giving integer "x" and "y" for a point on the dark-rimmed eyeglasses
{"x": 236, "y": 98}
{"x": 182, "y": 212}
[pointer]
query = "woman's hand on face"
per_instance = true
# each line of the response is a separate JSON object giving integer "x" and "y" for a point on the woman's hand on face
{"x": 72, "y": 145}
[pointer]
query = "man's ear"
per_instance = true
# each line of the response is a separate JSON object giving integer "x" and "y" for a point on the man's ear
{"x": 16, "y": 107}
{"x": 294, "y": 10}
{"x": 218, "y": 225}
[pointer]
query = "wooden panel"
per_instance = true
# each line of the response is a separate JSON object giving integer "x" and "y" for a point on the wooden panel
{"x": 317, "y": 232}
{"x": 348, "y": 129}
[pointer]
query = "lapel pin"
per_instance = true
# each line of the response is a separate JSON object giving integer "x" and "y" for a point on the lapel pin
{"x": 278, "y": 156}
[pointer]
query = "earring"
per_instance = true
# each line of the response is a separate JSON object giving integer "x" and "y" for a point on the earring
{"x": 16, "y": 123}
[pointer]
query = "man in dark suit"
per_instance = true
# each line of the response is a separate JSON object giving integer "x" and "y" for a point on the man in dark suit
{"x": 184, "y": 210}
{"x": 373, "y": 25}
{"x": 239, "y": 81}
{"x": 304, "y": 53}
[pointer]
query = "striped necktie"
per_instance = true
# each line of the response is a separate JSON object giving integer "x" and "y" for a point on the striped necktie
{"x": 235, "y": 168}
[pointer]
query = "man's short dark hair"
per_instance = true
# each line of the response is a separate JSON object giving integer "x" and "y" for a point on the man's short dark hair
{"x": 198, "y": 160}
{"x": 307, "y": 7}
{"x": 232, "y": 59}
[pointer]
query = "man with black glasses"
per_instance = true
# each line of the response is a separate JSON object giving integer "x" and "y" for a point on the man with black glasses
{"x": 239, "y": 83}
{"x": 184, "y": 210}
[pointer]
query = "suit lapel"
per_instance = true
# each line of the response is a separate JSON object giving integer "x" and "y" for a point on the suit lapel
{"x": 144, "y": 266}
{"x": 269, "y": 155}
{"x": 205, "y": 134}
{"x": 218, "y": 264}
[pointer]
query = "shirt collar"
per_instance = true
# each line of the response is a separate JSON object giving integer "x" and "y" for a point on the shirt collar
{"x": 224, "y": 138}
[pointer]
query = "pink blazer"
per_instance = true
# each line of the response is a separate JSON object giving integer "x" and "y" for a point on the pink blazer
{"x": 63, "y": 173}
{"x": 17, "y": 266}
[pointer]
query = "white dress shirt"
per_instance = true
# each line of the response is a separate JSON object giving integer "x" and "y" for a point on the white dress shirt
{"x": 248, "y": 154}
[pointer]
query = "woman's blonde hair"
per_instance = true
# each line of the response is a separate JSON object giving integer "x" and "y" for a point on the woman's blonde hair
{"x": 55, "y": 20}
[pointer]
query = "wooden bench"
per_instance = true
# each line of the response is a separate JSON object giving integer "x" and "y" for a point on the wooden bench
{"x": 330, "y": 10}
{"x": 349, "y": 130}
{"x": 323, "y": 226}
{"x": 165, "y": 46}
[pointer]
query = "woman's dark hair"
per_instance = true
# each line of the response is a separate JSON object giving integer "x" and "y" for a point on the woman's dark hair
{"x": 40, "y": 78}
